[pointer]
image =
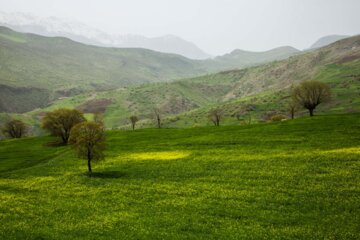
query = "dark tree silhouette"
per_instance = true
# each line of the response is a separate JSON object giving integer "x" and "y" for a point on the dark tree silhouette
{"x": 133, "y": 119}
{"x": 15, "y": 129}
{"x": 157, "y": 116}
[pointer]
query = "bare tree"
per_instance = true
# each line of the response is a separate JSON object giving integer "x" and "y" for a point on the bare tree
{"x": 99, "y": 118}
{"x": 157, "y": 116}
{"x": 292, "y": 108}
{"x": 310, "y": 94}
{"x": 133, "y": 120}
{"x": 15, "y": 129}
{"x": 216, "y": 115}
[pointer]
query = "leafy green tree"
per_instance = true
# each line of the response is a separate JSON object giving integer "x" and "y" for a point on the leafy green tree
{"x": 133, "y": 119}
{"x": 60, "y": 122}
{"x": 310, "y": 94}
{"x": 15, "y": 129}
{"x": 88, "y": 141}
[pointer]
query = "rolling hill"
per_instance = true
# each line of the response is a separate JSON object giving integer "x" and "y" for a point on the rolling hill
{"x": 36, "y": 70}
{"x": 289, "y": 180}
{"x": 246, "y": 58}
{"x": 80, "y": 32}
{"x": 263, "y": 88}
{"x": 327, "y": 40}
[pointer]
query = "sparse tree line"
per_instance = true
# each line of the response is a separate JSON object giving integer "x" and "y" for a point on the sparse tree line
{"x": 307, "y": 95}
{"x": 87, "y": 138}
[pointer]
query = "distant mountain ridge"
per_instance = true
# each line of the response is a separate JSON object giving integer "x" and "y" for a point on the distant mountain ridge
{"x": 53, "y": 26}
{"x": 248, "y": 58}
{"x": 262, "y": 90}
{"x": 326, "y": 40}
{"x": 38, "y": 69}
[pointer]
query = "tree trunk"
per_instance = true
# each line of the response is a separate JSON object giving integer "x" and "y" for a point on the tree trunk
{"x": 89, "y": 160}
{"x": 311, "y": 111}
{"x": 159, "y": 123}
{"x": 89, "y": 166}
{"x": 64, "y": 139}
{"x": 133, "y": 126}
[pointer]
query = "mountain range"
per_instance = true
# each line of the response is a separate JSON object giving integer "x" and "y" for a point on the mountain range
{"x": 52, "y": 67}
{"x": 80, "y": 32}
{"x": 327, "y": 40}
{"x": 39, "y": 74}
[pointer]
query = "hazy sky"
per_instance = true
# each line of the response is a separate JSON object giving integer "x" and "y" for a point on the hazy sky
{"x": 216, "y": 26}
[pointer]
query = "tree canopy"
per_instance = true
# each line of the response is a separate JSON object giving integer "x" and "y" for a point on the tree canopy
{"x": 60, "y": 122}
{"x": 15, "y": 129}
{"x": 310, "y": 94}
{"x": 88, "y": 140}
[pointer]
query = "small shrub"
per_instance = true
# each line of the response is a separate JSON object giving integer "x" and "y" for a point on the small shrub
{"x": 278, "y": 118}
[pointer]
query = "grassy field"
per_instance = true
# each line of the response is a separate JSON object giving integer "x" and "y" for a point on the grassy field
{"x": 297, "y": 179}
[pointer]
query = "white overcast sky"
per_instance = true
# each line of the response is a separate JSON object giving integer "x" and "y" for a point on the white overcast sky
{"x": 216, "y": 26}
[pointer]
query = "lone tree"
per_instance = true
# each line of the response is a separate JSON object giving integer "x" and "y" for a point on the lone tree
{"x": 133, "y": 120}
{"x": 157, "y": 116}
{"x": 15, "y": 129}
{"x": 99, "y": 118}
{"x": 216, "y": 115}
{"x": 310, "y": 94}
{"x": 293, "y": 108}
{"x": 60, "y": 122}
{"x": 88, "y": 141}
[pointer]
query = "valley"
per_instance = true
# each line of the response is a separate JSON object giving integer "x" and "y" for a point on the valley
{"x": 179, "y": 120}
{"x": 185, "y": 103}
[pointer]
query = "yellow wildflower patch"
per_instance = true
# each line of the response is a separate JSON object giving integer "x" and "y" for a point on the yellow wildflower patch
{"x": 166, "y": 155}
{"x": 352, "y": 150}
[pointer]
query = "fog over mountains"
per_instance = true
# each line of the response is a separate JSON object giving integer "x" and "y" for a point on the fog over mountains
{"x": 77, "y": 31}
{"x": 327, "y": 40}
{"x": 80, "y": 32}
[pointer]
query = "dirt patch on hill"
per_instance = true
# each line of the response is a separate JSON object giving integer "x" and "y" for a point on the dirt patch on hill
{"x": 95, "y": 105}
{"x": 348, "y": 59}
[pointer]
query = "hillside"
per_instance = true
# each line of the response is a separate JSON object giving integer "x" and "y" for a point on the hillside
{"x": 80, "y": 32}
{"x": 246, "y": 58}
{"x": 262, "y": 88}
{"x": 266, "y": 181}
{"x": 327, "y": 40}
{"x": 36, "y": 70}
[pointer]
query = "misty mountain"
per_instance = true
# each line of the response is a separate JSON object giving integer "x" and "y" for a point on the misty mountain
{"x": 327, "y": 40}
{"x": 37, "y": 69}
{"x": 53, "y": 26}
{"x": 264, "y": 88}
{"x": 247, "y": 58}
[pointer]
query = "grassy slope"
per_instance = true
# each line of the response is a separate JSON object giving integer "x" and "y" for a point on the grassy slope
{"x": 263, "y": 86}
{"x": 39, "y": 69}
{"x": 275, "y": 181}
{"x": 247, "y": 58}
{"x": 60, "y": 64}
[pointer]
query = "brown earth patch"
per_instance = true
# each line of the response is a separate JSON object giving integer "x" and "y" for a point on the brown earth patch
{"x": 95, "y": 105}
{"x": 348, "y": 59}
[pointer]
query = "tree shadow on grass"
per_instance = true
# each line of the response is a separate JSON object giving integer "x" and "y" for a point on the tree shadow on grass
{"x": 55, "y": 143}
{"x": 106, "y": 174}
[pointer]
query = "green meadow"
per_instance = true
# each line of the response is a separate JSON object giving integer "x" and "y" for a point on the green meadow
{"x": 296, "y": 179}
